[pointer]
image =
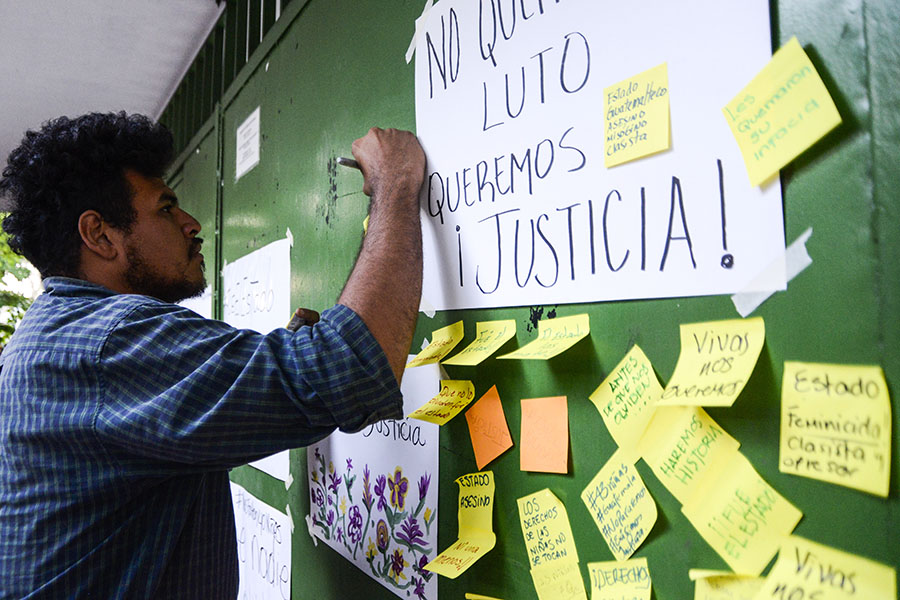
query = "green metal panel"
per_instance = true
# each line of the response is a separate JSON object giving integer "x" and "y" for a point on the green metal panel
{"x": 881, "y": 25}
{"x": 194, "y": 177}
{"x": 316, "y": 96}
{"x": 327, "y": 72}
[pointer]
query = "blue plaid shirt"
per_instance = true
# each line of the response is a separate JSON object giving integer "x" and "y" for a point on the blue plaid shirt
{"x": 119, "y": 418}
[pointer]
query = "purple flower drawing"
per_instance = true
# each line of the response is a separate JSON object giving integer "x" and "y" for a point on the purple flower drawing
{"x": 380, "y": 483}
{"x": 367, "y": 492}
{"x": 382, "y": 537}
{"x": 411, "y": 533}
{"x": 397, "y": 564}
{"x": 399, "y": 486}
{"x": 418, "y": 588}
{"x": 424, "y": 482}
{"x": 335, "y": 482}
{"x": 355, "y": 524}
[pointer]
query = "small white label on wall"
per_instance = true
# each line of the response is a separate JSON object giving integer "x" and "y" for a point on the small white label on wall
{"x": 247, "y": 140}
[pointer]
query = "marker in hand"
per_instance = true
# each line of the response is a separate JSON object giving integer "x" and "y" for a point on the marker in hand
{"x": 348, "y": 162}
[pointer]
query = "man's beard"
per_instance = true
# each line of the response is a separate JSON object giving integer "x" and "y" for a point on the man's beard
{"x": 143, "y": 279}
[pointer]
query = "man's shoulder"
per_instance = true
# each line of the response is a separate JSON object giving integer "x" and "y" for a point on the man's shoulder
{"x": 70, "y": 316}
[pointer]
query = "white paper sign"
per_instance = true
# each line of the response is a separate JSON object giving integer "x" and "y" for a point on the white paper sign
{"x": 258, "y": 297}
{"x": 374, "y": 493}
{"x": 247, "y": 140}
{"x": 263, "y": 547}
{"x": 518, "y": 208}
{"x": 258, "y": 288}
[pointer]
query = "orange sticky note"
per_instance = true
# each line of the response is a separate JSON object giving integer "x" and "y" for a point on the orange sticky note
{"x": 488, "y": 428}
{"x": 545, "y": 435}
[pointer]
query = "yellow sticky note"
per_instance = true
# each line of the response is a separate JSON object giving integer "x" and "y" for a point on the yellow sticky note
{"x": 615, "y": 580}
{"x": 559, "y": 581}
{"x": 627, "y": 397}
{"x": 545, "y": 526}
{"x": 836, "y": 425}
{"x": 443, "y": 341}
{"x": 454, "y": 396}
{"x": 544, "y": 440}
{"x": 741, "y": 516}
{"x": 683, "y": 445}
{"x": 805, "y": 569}
{"x": 479, "y": 597}
{"x": 722, "y": 585}
{"x": 488, "y": 428}
{"x": 476, "y": 532}
{"x": 554, "y": 337}
{"x": 488, "y": 339}
{"x": 781, "y": 113}
{"x": 715, "y": 363}
{"x": 637, "y": 116}
{"x": 621, "y": 506}
{"x": 476, "y": 503}
{"x": 461, "y": 554}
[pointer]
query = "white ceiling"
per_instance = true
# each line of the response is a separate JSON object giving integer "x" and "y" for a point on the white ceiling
{"x": 70, "y": 57}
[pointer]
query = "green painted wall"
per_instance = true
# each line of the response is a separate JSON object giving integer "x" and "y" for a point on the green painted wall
{"x": 330, "y": 69}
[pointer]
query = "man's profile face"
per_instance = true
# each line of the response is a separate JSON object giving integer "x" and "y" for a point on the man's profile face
{"x": 162, "y": 248}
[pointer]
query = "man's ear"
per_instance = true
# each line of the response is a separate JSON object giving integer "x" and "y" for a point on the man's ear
{"x": 97, "y": 235}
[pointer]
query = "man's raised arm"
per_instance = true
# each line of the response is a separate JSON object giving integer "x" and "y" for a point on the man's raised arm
{"x": 385, "y": 285}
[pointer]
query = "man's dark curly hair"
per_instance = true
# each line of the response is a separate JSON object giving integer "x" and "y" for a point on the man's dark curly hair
{"x": 74, "y": 165}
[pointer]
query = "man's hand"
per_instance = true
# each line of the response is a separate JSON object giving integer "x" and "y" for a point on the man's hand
{"x": 390, "y": 157}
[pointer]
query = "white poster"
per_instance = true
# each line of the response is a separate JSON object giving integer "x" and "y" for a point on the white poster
{"x": 374, "y": 494}
{"x": 258, "y": 297}
{"x": 518, "y": 207}
{"x": 263, "y": 548}
{"x": 247, "y": 142}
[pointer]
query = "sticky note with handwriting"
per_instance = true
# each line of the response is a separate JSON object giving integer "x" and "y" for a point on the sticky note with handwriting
{"x": 555, "y": 336}
{"x": 621, "y": 506}
{"x": 783, "y": 111}
{"x": 618, "y": 580}
{"x": 454, "y": 396}
{"x": 476, "y": 532}
{"x": 724, "y": 585}
{"x": 683, "y": 445}
{"x": 544, "y": 439}
{"x": 627, "y": 397}
{"x": 443, "y": 341}
{"x": 546, "y": 529}
{"x": 550, "y": 546}
{"x": 489, "y": 337}
{"x": 836, "y": 425}
{"x": 805, "y": 569}
{"x": 637, "y": 116}
{"x": 716, "y": 360}
{"x": 560, "y": 581}
{"x": 741, "y": 516}
{"x": 488, "y": 428}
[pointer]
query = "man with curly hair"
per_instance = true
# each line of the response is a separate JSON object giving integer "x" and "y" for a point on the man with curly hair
{"x": 121, "y": 412}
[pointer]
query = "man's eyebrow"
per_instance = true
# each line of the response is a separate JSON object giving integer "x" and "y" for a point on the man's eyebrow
{"x": 168, "y": 197}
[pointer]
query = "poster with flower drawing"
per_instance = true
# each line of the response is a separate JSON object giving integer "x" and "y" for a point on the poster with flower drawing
{"x": 374, "y": 494}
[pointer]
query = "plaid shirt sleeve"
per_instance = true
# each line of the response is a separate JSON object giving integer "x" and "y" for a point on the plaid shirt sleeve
{"x": 179, "y": 388}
